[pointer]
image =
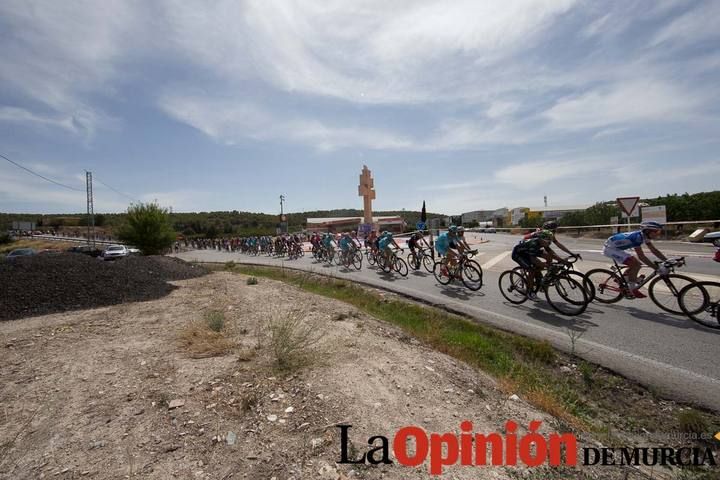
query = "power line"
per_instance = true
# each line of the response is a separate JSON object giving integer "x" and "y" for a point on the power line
{"x": 117, "y": 191}
{"x": 44, "y": 178}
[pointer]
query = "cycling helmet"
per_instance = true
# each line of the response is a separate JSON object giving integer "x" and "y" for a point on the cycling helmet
{"x": 651, "y": 226}
{"x": 452, "y": 229}
{"x": 460, "y": 229}
{"x": 545, "y": 235}
{"x": 551, "y": 225}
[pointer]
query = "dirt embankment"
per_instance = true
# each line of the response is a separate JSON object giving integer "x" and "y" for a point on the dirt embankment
{"x": 114, "y": 392}
{"x": 41, "y": 284}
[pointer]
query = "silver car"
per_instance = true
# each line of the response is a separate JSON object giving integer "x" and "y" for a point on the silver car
{"x": 114, "y": 252}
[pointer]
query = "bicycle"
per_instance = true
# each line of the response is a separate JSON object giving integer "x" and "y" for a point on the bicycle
{"x": 569, "y": 268}
{"x": 423, "y": 258}
{"x": 353, "y": 257}
{"x": 395, "y": 263}
{"x": 700, "y": 301}
{"x": 466, "y": 270}
{"x": 564, "y": 294}
{"x": 611, "y": 285}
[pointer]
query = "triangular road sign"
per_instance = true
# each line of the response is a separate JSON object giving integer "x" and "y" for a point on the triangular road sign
{"x": 628, "y": 204}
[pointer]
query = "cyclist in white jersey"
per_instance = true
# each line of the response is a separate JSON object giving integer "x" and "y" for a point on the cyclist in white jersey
{"x": 617, "y": 246}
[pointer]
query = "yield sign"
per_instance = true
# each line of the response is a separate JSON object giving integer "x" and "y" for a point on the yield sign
{"x": 628, "y": 204}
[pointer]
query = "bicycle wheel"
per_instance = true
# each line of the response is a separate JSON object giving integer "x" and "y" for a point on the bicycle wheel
{"x": 357, "y": 260}
{"x": 442, "y": 275}
{"x": 471, "y": 278}
{"x": 665, "y": 291}
{"x": 413, "y": 262}
{"x": 383, "y": 263}
{"x": 372, "y": 260}
{"x": 608, "y": 285}
{"x": 585, "y": 282}
{"x": 513, "y": 287}
{"x": 701, "y": 302}
{"x": 400, "y": 266}
{"x": 428, "y": 263}
{"x": 566, "y": 296}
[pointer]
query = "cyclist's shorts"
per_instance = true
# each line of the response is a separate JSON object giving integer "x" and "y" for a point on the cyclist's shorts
{"x": 620, "y": 256}
{"x": 441, "y": 251}
{"x": 525, "y": 260}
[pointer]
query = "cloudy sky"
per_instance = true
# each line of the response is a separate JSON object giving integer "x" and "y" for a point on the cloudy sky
{"x": 225, "y": 105}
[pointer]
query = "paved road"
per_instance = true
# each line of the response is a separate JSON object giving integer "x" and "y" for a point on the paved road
{"x": 634, "y": 338}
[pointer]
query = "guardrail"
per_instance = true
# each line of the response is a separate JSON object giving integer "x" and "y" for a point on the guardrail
{"x": 72, "y": 239}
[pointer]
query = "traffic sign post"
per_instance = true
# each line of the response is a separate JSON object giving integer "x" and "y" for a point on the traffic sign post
{"x": 420, "y": 226}
{"x": 629, "y": 207}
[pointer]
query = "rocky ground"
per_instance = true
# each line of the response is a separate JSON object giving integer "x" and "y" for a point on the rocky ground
{"x": 41, "y": 284}
{"x": 118, "y": 392}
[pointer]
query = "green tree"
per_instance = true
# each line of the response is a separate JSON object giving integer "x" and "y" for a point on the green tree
{"x": 148, "y": 228}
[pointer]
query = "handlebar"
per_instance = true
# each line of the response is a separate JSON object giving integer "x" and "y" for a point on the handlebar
{"x": 673, "y": 262}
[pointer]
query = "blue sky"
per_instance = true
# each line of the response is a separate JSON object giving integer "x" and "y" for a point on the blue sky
{"x": 468, "y": 105}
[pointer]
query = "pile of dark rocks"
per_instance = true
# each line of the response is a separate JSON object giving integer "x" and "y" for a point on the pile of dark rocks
{"x": 42, "y": 284}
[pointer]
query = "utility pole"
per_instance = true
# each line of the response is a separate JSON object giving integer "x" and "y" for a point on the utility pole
{"x": 283, "y": 229}
{"x": 90, "y": 209}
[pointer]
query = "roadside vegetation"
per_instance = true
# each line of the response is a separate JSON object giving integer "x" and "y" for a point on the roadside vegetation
{"x": 148, "y": 228}
{"x": 586, "y": 397}
{"x": 11, "y": 245}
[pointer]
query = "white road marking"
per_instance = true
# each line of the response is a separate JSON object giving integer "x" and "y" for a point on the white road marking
{"x": 495, "y": 260}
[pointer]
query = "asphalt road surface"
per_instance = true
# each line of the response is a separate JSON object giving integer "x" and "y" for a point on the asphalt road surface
{"x": 634, "y": 337}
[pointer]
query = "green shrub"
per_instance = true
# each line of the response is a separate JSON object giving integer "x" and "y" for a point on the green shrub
{"x": 691, "y": 421}
{"x": 252, "y": 281}
{"x": 148, "y": 228}
{"x": 215, "y": 320}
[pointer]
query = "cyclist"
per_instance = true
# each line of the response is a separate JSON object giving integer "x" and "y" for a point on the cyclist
{"x": 527, "y": 254}
{"x": 446, "y": 245}
{"x": 345, "y": 244}
{"x": 416, "y": 240}
{"x": 552, "y": 226}
{"x": 385, "y": 242}
{"x": 616, "y": 248}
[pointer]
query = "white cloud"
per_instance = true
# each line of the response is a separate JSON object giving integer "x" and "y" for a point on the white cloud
{"x": 700, "y": 23}
{"x": 528, "y": 175}
{"x": 637, "y": 101}
{"x": 231, "y": 122}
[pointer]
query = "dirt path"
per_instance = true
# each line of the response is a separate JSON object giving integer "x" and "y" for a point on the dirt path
{"x": 87, "y": 394}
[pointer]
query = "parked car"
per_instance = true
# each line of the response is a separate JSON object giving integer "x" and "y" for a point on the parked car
{"x": 21, "y": 252}
{"x": 134, "y": 251}
{"x": 490, "y": 230}
{"x": 713, "y": 237}
{"x": 113, "y": 252}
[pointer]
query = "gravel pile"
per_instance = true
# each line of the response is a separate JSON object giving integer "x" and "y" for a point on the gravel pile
{"x": 44, "y": 284}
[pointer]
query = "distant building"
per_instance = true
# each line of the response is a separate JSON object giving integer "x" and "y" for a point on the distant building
{"x": 546, "y": 213}
{"x": 517, "y": 214}
{"x": 345, "y": 224}
{"x": 496, "y": 217}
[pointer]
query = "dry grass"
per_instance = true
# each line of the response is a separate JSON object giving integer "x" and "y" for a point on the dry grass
{"x": 206, "y": 338}
{"x": 35, "y": 244}
{"x": 292, "y": 339}
{"x": 550, "y": 404}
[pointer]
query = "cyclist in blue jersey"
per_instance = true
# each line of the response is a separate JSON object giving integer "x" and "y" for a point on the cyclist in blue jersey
{"x": 385, "y": 241}
{"x": 617, "y": 246}
{"x": 447, "y": 245}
